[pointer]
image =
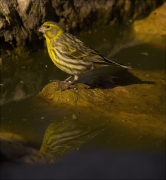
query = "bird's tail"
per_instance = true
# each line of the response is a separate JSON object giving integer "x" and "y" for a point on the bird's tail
{"x": 116, "y": 64}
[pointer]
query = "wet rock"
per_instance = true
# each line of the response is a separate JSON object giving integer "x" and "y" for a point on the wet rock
{"x": 153, "y": 28}
{"x": 154, "y": 24}
{"x": 127, "y": 100}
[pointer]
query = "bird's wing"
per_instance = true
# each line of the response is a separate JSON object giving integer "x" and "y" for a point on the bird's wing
{"x": 88, "y": 54}
{"x": 75, "y": 49}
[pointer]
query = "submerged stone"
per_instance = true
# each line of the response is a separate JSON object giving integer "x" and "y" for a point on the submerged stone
{"x": 14, "y": 149}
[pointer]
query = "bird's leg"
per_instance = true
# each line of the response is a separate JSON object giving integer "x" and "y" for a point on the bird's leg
{"x": 75, "y": 79}
{"x": 67, "y": 80}
{"x": 69, "y": 83}
{"x": 64, "y": 82}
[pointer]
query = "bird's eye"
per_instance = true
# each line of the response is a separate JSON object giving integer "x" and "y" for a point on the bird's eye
{"x": 47, "y": 27}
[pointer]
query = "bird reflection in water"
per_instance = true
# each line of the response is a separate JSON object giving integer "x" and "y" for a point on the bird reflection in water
{"x": 63, "y": 136}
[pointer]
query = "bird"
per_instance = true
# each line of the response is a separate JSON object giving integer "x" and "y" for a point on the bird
{"x": 70, "y": 54}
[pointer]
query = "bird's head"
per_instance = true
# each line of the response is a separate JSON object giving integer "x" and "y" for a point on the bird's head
{"x": 50, "y": 30}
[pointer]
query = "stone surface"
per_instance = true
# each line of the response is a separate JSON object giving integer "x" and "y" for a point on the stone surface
{"x": 153, "y": 28}
{"x": 138, "y": 100}
{"x": 154, "y": 24}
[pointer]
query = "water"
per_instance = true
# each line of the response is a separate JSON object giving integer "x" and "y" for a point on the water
{"x": 45, "y": 127}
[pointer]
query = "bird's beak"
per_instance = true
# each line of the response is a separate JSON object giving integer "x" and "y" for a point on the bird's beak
{"x": 42, "y": 29}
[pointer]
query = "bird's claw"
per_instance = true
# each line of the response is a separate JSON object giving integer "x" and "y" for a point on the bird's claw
{"x": 69, "y": 85}
{"x": 64, "y": 85}
{"x": 60, "y": 82}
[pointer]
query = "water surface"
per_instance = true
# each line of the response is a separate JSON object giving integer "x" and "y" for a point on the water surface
{"x": 57, "y": 131}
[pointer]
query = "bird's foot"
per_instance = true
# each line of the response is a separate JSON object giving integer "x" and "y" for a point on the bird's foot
{"x": 64, "y": 85}
{"x": 66, "y": 81}
{"x": 58, "y": 81}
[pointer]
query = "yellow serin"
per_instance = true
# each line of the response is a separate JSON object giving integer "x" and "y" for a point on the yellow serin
{"x": 70, "y": 54}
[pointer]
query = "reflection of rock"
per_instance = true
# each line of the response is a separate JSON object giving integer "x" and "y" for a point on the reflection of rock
{"x": 14, "y": 150}
{"x": 23, "y": 78}
{"x": 64, "y": 135}
{"x": 21, "y": 86}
